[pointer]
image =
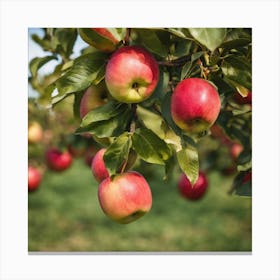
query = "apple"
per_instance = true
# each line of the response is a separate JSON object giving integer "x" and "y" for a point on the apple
{"x": 195, "y": 105}
{"x": 235, "y": 150}
{"x": 34, "y": 178}
{"x": 58, "y": 160}
{"x": 126, "y": 197}
{"x": 195, "y": 192}
{"x": 243, "y": 100}
{"x": 35, "y": 132}
{"x": 95, "y": 96}
{"x": 131, "y": 74}
{"x": 98, "y": 167}
{"x": 104, "y": 39}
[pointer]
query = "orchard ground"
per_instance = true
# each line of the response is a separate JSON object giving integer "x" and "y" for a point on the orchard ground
{"x": 64, "y": 216}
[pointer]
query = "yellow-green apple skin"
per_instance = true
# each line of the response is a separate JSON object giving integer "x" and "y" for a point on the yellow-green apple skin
{"x": 131, "y": 74}
{"x": 195, "y": 105}
{"x": 125, "y": 197}
{"x": 35, "y": 133}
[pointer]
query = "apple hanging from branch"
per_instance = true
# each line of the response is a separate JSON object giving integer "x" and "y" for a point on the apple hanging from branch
{"x": 195, "y": 105}
{"x": 125, "y": 197}
{"x": 131, "y": 74}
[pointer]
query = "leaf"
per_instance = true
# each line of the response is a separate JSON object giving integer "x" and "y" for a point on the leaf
{"x": 236, "y": 43}
{"x": 186, "y": 69}
{"x": 150, "y": 147}
{"x": 151, "y": 42}
{"x": 189, "y": 162}
{"x": 37, "y": 62}
{"x": 209, "y": 37}
{"x": 240, "y": 187}
{"x": 105, "y": 112}
{"x": 63, "y": 40}
{"x": 237, "y": 71}
{"x": 166, "y": 113}
{"x": 117, "y": 153}
{"x": 109, "y": 127}
{"x": 85, "y": 70}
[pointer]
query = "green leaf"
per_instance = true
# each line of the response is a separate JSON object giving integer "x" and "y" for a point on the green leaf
{"x": 117, "y": 153}
{"x": 236, "y": 43}
{"x": 105, "y": 112}
{"x": 151, "y": 42}
{"x": 209, "y": 37}
{"x": 189, "y": 162}
{"x": 37, "y": 62}
{"x": 186, "y": 69}
{"x": 237, "y": 71}
{"x": 110, "y": 127}
{"x": 240, "y": 187}
{"x": 85, "y": 70}
{"x": 166, "y": 113}
{"x": 63, "y": 40}
{"x": 150, "y": 147}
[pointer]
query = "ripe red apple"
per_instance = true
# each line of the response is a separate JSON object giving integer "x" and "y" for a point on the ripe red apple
{"x": 98, "y": 167}
{"x": 58, "y": 160}
{"x": 104, "y": 39}
{"x": 34, "y": 178}
{"x": 35, "y": 132}
{"x": 132, "y": 74}
{"x": 196, "y": 191}
{"x": 243, "y": 100}
{"x": 195, "y": 105}
{"x": 93, "y": 97}
{"x": 126, "y": 197}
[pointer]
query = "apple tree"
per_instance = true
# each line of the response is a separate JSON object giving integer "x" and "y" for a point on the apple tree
{"x": 155, "y": 92}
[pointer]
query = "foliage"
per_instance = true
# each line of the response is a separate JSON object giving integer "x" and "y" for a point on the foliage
{"x": 220, "y": 55}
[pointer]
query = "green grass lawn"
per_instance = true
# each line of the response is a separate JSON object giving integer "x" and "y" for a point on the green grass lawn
{"x": 64, "y": 216}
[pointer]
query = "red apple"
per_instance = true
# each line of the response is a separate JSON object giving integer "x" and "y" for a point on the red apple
{"x": 235, "y": 150}
{"x": 35, "y": 132}
{"x": 243, "y": 100}
{"x": 58, "y": 160}
{"x": 95, "y": 96}
{"x": 132, "y": 74}
{"x": 34, "y": 178}
{"x": 126, "y": 197}
{"x": 98, "y": 167}
{"x": 195, "y": 105}
{"x": 104, "y": 39}
{"x": 196, "y": 191}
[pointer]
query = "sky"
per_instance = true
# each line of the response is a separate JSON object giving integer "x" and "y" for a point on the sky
{"x": 34, "y": 50}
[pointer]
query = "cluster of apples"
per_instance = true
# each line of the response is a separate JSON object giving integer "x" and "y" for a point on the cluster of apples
{"x": 131, "y": 76}
{"x": 56, "y": 159}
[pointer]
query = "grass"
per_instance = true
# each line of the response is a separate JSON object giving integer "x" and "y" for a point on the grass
{"x": 64, "y": 216}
